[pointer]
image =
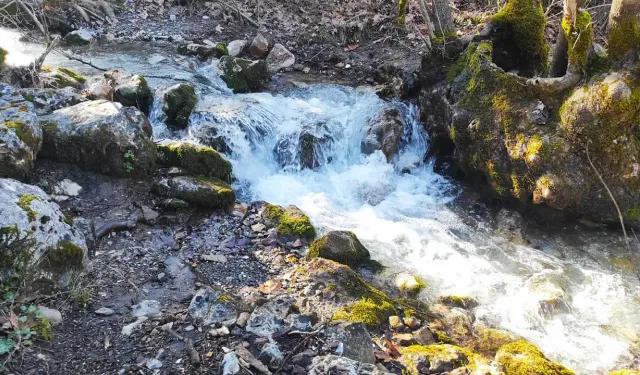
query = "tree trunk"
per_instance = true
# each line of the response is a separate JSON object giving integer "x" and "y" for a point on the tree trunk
{"x": 440, "y": 14}
{"x": 624, "y": 30}
{"x": 560, "y": 59}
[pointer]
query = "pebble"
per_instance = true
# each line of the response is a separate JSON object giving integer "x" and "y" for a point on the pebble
{"x": 258, "y": 227}
{"x": 172, "y": 17}
{"x": 395, "y": 322}
{"x": 219, "y": 332}
{"x": 230, "y": 365}
{"x": 105, "y": 311}
{"x": 153, "y": 364}
{"x": 147, "y": 308}
{"x": 242, "y": 319}
{"x": 412, "y": 322}
{"x": 161, "y": 276}
{"x": 215, "y": 258}
{"x": 53, "y": 315}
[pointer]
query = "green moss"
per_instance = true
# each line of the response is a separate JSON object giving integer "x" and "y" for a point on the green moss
{"x": 195, "y": 159}
{"x": 415, "y": 357}
{"x": 23, "y": 132}
{"x": 221, "y": 50}
{"x": 64, "y": 256}
{"x": 210, "y": 192}
{"x": 487, "y": 341}
{"x": 523, "y": 358}
{"x": 43, "y": 329}
{"x": 633, "y": 213}
{"x": 402, "y": 12}
{"x": 25, "y": 203}
{"x": 339, "y": 247}
{"x": 3, "y": 57}
{"x": 442, "y": 338}
{"x": 624, "y": 38}
{"x": 526, "y": 21}
{"x": 291, "y": 222}
{"x": 68, "y": 220}
{"x": 625, "y": 372}
{"x": 579, "y": 36}
{"x": 369, "y": 312}
{"x": 73, "y": 75}
{"x": 459, "y": 302}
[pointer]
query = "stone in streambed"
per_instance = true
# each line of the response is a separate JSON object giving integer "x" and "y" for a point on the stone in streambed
{"x": 195, "y": 159}
{"x": 384, "y": 133}
{"x": 243, "y": 75}
{"x": 340, "y": 246}
{"x": 290, "y": 222}
{"x": 130, "y": 90}
{"x": 355, "y": 338}
{"x": 179, "y": 101}
{"x": 79, "y": 37}
{"x": 204, "y": 52}
{"x": 236, "y": 47}
{"x": 210, "y": 306}
{"x": 57, "y": 78}
{"x": 280, "y": 58}
{"x": 259, "y": 46}
{"x": 200, "y": 191}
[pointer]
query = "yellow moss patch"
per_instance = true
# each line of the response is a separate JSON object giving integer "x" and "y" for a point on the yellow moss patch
{"x": 523, "y": 358}
{"x": 25, "y": 203}
{"x": 369, "y": 312}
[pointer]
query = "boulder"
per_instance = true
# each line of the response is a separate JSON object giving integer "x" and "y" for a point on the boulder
{"x": 340, "y": 246}
{"x": 290, "y": 222}
{"x": 355, "y": 339}
{"x": 102, "y": 136}
{"x": 46, "y": 101}
{"x": 99, "y": 90}
{"x": 521, "y": 357}
{"x": 20, "y": 133}
{"x": 79, "y": 37}
{"x": 210, "y": 306}
{"x": 243, "y": 75}
{"x": 57, "y": 78}
{"x": 300, "y": 151}
{"x": 203, "y": 51}
{"x": 384, "y": 132}
{"x": 178, "y": 102}
{"x": 194, "y": 159}
{"x": 333, "y": 364}
{"x": 511, "y": 226}
{"x": 259, "y": 46}
{"x": 33, "y": 230}
{"x": 130, "y": 90}
{"x": 280, "y": 58}
{"x": 237, "y": 47}
{"x": 200, "y": 191}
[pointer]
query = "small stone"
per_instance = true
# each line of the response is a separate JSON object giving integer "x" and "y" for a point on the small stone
{"x": 172, "y": 17}
{"x": 297, "y": 244}
{"x": 161, "y": 276}
{"x": 242, "y": 319}
{"x": 149, "y": 215}
{"x": 409, "y": 284}
{"x": 128, "y": 329}
{"x": 258, "y": 227}
{"x": 53, "y": 315}
{"x": 259, "y": 46}
{"x": 424, "y": 336}
{"x": 271, "y": 355}
{"x": 67, "y": 188}
{"x": 220, "y": 332}
{"x": 280, "y": 58}
{"x": 205, "y": 17}
{"x": 147, "y": 308}
{"x": 236, "y": 47}
{"x": 189, "y": 328}
{"x": 412, "y": 322}
{"x": 219, "y": 258}
{"x": 153, "y": 364}
{"x": 230, "y": 365}
{"x": 271, "y": 287}
{"x": 105, "y": 311}
{"x": 403, "y": 339}
{"x": 395, "y": 322}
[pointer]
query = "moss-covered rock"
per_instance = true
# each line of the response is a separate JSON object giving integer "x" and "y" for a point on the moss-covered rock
{"x": 624, "y": 31}
{"x": 194, "y": 159}
{"x": 130, "y": 90}
{"x": 459, "y": 302}
{"x": 410, "y": 284}
{"x": 368, "y": 311}
{"x": 64, "y": 256}
{"x": 102, "y": 136}
{"x": 20, "y": 133}
{"x": 341, "y": 246}
{"x": 523, "y": 358}
{"x": 204, "y": 52}
{"x": 435, "y": 359}
{"x": 487, "y": 341}
{"x": 60, "y": 77}
{"x": 200, "y": 191}
{"x": 243, "y": 75}
{"x": 521, "y": 24}
{"x": 179, "y": 101}
{"x": 80, "y": 37}
{"x": 291, "y": 222}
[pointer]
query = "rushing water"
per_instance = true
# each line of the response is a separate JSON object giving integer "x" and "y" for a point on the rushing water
{"x": 410, "y": 219}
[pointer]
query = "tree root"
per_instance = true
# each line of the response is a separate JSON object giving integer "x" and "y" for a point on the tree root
{"x": 559, "y": 84}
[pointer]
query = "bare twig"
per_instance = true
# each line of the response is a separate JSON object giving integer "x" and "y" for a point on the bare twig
{"x": 40, "y": 60}
{"x": 613, "y": 199}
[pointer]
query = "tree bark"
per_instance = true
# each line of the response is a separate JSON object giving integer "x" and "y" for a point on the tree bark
{"x": 440, "y": 15}
{"x": 624, "y": 30}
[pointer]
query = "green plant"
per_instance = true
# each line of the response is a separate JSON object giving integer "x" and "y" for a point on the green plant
{"x": 129, "y": 157}
{"x": 23, "y": 328}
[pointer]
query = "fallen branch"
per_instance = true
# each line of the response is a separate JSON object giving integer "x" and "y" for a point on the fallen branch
{"x": 114, "y": 226}
{"x": 37, "y": 65}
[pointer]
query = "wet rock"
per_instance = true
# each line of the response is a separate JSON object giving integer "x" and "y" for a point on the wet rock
{"x": 230, "y": 365}
{"x": 522, "y": 357}
{"x": 409, "y": 284}
{"x": 488, "y": 341}
{"x": 355, "y": 339}
{"x": 203, "y": 51}
{"x": 54, "y": 316}
{"x": 302, "y": 152}
{"x": 105, "y": 311}
{"x": 79, "y": 37}
{"x": 147, "y": 308}
{"x": 210, "y": 306}
{"x": 551, "y": 291}
{"x": 424, "y": 336}
{"x": 511, "y": 226}
{"x": 27, "y": 212}
{"x": 433, "y": 359}
{"x": 57, "y": 78}
{"x": 201, "y": 191}
{"x": 243, "y": 75}
{"x": 411, "y": 322}
{"x": 459, "y": 302}
{"x": 333, "y": 364}
{"x": 259, "y": 46}
{"x": 46, "y": 101}
{"x": 101, "y": 136}
{"x": 179, "y": 101}
{"x": 268, "y": 319}
{"x": 340, "y": 246}
{"x": 98, "y": 90}
{"x": 384, "y": 133}
{"x": 395, "y": 323}
{"x": 64, "y": 190}
{"x": 20, "y": 133}
{"x": 194, "y": 159}
{"x": 290, "y": 222}
{"x": 280, "y": 58}
{"x": 237, "y": 47}
{"x": 130, "y": 90}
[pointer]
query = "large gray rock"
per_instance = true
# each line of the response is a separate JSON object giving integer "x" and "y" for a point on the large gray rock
{"x": 20, "y": 133}
{"x": 340, "y": 246}
{"x": 195, "y": 159}
{"x": 259, "y": 46}
{"x": 178, "y": 102}
{"x": 46, "y": 101}
{"x": 280, "y": 58}
{"x": 102, "y": 136}
{"x": 243, "y": 75}
{"x": 236, "y": 47}
{"x": 355, "y": 338}
{"x": 200, "y": 191}
{"x": 211, "y": 306}
{"x": 333, "y": 364}
{"x": 26, "y": 212}
{"x": 79, "y": 37}
{"x": 130, "y": 90}
{"x": 384, "y": 133}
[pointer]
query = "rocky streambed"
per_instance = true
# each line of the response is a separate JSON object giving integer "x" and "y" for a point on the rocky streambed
{"x": 148, "y": 198}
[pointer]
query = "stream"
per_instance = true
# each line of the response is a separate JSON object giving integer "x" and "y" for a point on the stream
{"x": 408, "y": 217}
